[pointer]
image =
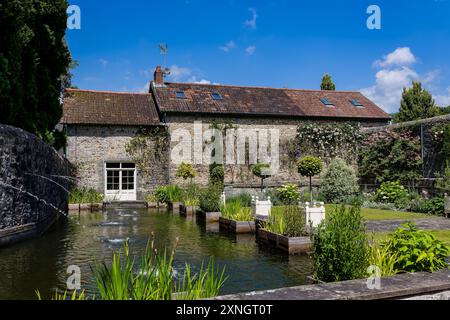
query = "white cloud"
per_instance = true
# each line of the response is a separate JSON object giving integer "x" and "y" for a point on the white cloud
{"x": 387, "y": 91}
{"x": 251, "y": 24}
{"x": 178, "y": 74}
{"x": 395, "y": 74}
{"x": 250, "y": 50}
{"x": 400, "y": 57}
{"x": 443, "y": 100}
{"x": 229, "y": 46}
{"x": 103, "y": 62}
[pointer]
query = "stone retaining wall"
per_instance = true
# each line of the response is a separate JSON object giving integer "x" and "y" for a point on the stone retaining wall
{"x": 33, "y": 184}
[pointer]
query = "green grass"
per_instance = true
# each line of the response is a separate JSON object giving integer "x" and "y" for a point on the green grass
{"x": 378, "y": 214}
{"x": 443, "y": 235}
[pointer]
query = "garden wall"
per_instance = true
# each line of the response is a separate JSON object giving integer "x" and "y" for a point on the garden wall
{"x": 33, "y": 184}
{"x": 241, "y": 176}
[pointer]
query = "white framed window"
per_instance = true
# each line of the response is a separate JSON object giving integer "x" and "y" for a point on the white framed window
{"x": 120, "y": 181}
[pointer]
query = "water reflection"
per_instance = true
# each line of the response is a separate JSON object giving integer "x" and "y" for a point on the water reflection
{"x": 88, "y": 238}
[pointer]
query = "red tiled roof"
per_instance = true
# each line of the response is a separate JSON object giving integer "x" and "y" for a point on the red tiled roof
{"x": 110, "y": 108}
{"x": 263, "y": 101}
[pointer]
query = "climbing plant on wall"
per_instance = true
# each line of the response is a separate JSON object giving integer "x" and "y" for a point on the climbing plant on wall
{"x": 389, "y": 156}
{"x": 148, "y": 146}
{"x": 329, "y": 140}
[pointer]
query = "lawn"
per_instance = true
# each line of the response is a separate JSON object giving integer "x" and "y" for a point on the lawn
{"x": 443, "y": 235}
{"x": 378, "y": 214}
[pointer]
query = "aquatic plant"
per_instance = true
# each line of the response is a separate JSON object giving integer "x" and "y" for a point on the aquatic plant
{"x": 234, "y": 210}
{"x": 289, "y": 221}
{"x": 84, "y": 196}
{"x": 150, "y": 277}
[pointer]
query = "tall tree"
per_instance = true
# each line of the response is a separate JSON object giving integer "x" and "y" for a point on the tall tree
{"x": 417, "y": 103}
{"x": 327, "y": 83}
{"x": 34, "y": 63}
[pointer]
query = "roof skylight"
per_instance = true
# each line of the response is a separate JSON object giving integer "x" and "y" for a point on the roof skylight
{"x": 327, "y": 102}
{"x": 181, "y": 95}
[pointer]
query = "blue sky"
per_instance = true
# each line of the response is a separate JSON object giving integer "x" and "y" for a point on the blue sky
{"x": 283, "y": 43}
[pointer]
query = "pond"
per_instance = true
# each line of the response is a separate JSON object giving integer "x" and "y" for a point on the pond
{"x": 88, "y": 238}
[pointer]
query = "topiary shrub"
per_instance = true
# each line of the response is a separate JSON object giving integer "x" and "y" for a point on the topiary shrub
{"x": 262, "y": 171}
{"x": 310, "y": 166}
{"x": 211, "y": 198}
{"x": 186, "y": 171}
{"x": 339, "y": 183}
{"x": 391, "y": 192}
{"x": 417, "y": 250}
{"x": 341, "y": 249}
{"x": 289, "y": 194}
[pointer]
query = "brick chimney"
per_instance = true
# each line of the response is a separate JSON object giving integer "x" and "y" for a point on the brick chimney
{"x": 158, "y": 76}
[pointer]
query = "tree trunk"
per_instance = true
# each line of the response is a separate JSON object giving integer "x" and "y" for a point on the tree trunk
{"x": 310, "y": 189}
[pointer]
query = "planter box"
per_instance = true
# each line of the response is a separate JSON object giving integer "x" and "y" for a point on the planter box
{"x": 209, "y": 216}
{"x": 237, "y": 226}
{"x": 187, "y": 211}
{"x": 175, "y": 206}
{"x": 290, "y": 245}
{"x": 85, "y": 207}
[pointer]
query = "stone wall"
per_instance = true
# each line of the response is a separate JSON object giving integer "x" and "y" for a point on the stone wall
{"x": 89, "y": 147}
{"x": 33, "y": 184}
{"x": 240, "y": 175}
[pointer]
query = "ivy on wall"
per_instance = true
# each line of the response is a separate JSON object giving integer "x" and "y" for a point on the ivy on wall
{"x": 150, "y": 145}
{"x": 329, "y": 140}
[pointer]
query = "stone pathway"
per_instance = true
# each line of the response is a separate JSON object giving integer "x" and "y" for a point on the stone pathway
{"x": 391, "y": 225}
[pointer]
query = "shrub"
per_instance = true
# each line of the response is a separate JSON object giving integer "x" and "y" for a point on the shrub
{"x": 391, "y": 192}
{"x": 435, "y": 206}
{"x": 211, "y": 198}
{"x": 417, "y": 250}
{"x": 289, "y": 221}
{"x": 186, "y": 171}
{"x": 341, "y": 249}
{"x": 339, "y": 182}
{"x": 289, "y": 194}
{"x": 216, "y": 174}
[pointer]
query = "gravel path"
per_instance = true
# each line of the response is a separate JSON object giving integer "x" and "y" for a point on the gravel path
{"x": 391, "y": 225}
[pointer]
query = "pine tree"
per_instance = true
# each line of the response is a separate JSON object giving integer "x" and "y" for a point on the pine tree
{"x": 327, "y": 83}
{"x": 417, "y": 103}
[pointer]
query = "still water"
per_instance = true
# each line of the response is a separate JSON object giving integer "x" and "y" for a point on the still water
{"x": 85, "y": 239}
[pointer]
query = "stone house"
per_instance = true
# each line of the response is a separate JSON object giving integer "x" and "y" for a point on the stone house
{"x": 174, "y": 121}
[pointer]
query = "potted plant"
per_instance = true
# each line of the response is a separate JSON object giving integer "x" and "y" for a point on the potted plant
{"x": 285, "y": 230}
{"x": 210, "y": 200}
{"x": 236, "y": 218}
